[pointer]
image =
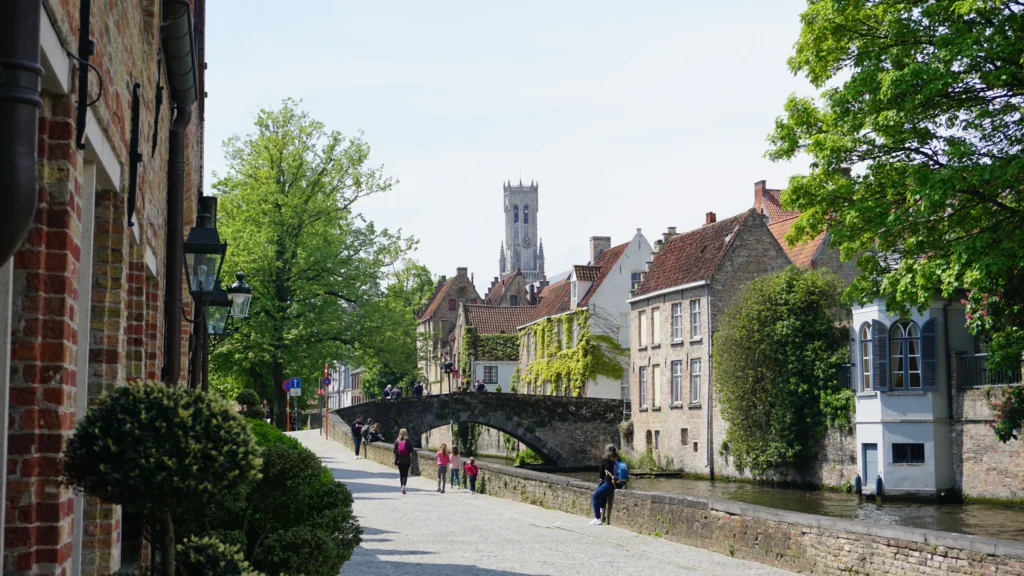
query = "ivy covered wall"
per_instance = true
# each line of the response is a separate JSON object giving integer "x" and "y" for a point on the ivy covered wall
{"x": 568, "y": 355}
{"x": 486, "y": 347}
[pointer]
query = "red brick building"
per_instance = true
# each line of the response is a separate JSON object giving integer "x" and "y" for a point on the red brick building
{"x": 84, "y": 303}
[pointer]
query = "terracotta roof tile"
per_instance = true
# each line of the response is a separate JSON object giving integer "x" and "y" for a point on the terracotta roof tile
{"x": 772, "y": 201}
{"x": 499, "y": 319}
{"x": 436, "y": 299}
{"x": 605, "y": 263}
{"x": 554, "y": 299}
{"x": 801, "y": 254}
{"x": 498, "y": 290}
{"x": 691, "y": 256}
{"x": 586, "y": 273}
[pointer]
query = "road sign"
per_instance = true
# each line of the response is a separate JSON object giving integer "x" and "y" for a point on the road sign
{"x": 327, "y": 380}
{"x": 295, "y": 392}
{"x": 295, "y": 387}
{"x": 285, "y": 385}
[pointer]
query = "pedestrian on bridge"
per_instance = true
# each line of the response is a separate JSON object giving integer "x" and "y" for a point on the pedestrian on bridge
{"x": 417, "y": 390}
{"x": 396, "y": 394}
{"x": 443, "y": 460}
{"x": 606, "y": 490}
{"x": 387, "y": 393}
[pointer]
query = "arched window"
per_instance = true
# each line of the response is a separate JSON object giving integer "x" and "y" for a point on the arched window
{"x": 865, "y": 357}
{"x": 905, "y": 346}
{"x": 515, "y": 214}
{"x": 526, "y": 214}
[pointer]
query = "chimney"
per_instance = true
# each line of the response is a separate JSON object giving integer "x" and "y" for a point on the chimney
{"x": 658, "y": 244}
{"x": 709, "y": 218}
{"x": 758, "y": 193}
{"x": 461, "y": 271}
{"x": 442, "y": 281}
{"x": 599, "y": 244}
{"x": 532, "y": 298}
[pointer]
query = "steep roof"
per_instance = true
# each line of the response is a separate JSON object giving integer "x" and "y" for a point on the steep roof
{"x": 691, "y": 256}
{"x": 802, "y": 253}
{"x": 554, "y": 299}
{"x": 605, "y": 263}
{"x": 498, "y": 319}
{"x": 436, "y": 299}
{"x": 586, "y": 273}
{"x": 772, "y": 201}
{"x": 498, "y": 289}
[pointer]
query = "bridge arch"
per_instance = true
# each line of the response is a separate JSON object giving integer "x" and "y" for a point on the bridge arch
{"x": 568, "y": 432}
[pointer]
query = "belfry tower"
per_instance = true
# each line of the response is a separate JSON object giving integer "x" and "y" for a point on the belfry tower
{"x": 521, "y": 249}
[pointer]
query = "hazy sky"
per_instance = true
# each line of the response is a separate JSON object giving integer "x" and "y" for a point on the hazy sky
{"x": 629, "y": 115}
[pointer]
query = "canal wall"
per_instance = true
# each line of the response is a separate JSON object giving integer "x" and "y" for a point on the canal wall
{"x": 790, "y": 540}
{"x": 488, "y": 443}
{"x": 983, "y": 467}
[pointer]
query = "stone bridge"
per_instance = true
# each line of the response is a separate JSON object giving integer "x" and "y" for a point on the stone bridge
{"x": 567, "y": 432}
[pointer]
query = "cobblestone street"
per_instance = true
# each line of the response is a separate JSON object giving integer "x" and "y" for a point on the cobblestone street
{"x": 458, "y": 534}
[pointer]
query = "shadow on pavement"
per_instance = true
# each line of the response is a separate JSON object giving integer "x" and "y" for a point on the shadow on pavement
{"x": 369, "y": 563}
{"x": 358, "y": 489}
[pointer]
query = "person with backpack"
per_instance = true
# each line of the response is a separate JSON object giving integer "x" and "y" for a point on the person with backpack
{"x": 403, "y": 457}
{"x": 471, "y": 473}
{"x": 607, "y": 487}
{"x": 443, "y": 460}
{"x": 357, "y": 434}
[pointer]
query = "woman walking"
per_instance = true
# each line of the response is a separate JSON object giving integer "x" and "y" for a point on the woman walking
{"x": 403, "y": 457}
{"x": 453, "y": 468}
{"x": 443, "y": 460}
{"x": 607, "y": 487}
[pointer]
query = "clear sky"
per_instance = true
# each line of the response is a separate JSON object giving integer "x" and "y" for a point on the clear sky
{"x": 629, "y": 115}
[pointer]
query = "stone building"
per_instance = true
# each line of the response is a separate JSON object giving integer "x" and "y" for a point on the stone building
{"x": 486, "y": 343}
{"x": 522, "y": 249}
{"x": 94, "y": 295}
{"x": 437, "y": 324}
{"x": 687, "y": 287}
{"x": 591, "y": 301}
{"x": 508, "y": 291}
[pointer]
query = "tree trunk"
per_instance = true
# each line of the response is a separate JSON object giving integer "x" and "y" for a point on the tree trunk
{"x": 280, "y": 398}
{"x": 167, "y": 546}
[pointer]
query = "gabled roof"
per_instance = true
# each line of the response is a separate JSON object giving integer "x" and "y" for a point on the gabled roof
{"x": 436, "y": 299}
{"x": 498, "y": 289}
{"x": 586, "y": 273}
{"x": 498, "y": 319}
{"x": 801, "y": 254}
{"x": 554, "y": 299}
{"x": 772, "y": 202}
{"x": 605, "y": 263}
{"x": 691, "y": 256}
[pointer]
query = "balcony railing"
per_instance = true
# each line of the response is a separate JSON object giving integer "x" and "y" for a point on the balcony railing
{"x": 846, "y": 376}
{"x": 972, "y": 371}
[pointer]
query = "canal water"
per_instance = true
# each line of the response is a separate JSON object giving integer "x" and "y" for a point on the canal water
{"x": 989, "y": 520}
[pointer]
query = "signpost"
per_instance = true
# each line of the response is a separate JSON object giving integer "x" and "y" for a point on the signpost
{"x": 324, "y": 388}
{"x": 291, "y": 387}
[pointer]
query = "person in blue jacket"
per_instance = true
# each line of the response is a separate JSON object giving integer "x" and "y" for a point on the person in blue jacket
{"x": 606, "y": 489}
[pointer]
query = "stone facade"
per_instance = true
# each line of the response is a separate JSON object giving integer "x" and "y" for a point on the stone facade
{"x": 568, "y": 432}
{"x": 87, "y": 288}
{"x": 490, "y": 442}
{"x": 984, "y": 467}
{"x": 795, "y": 541}
{"x": 437, "y": 324}
{"x": 522, "y": 251}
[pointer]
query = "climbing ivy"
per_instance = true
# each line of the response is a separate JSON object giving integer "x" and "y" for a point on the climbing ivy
{"x": 568, "y": 369}
{"x": 513, "y": 382}
{"x": 487, "y": 347}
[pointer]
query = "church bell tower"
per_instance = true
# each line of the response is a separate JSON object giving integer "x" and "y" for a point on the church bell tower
{"x": 520, "y": 248}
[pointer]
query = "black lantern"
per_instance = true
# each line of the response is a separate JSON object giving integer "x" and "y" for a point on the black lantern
{"x": 204, "y": 252}
{"x": 240, "y": 294}
{"x": 218, "y": 311}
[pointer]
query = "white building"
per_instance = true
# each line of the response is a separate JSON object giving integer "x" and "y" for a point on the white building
{"x": 902, "y": 380}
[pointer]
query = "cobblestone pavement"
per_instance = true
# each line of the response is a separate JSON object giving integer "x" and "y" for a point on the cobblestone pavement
{"x": 457, "y": 534}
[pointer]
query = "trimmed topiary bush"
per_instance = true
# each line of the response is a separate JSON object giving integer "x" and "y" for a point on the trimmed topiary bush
{"x": 161, "y": 452}
{"x": 252, "y": 406}
{"x": 207, "y": 555}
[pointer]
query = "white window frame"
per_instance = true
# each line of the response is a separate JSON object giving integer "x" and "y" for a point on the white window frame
{"x": 677, "y": 382}
{"x": 642, "y": 378}
{"x": 695, "y": 328}
{"x": 492, "y": 370}
{"x": 655, "y": 386}
{"x": 656, "y": 327}
{"x": 634, "y": 280}
{"x": 642, "y": 328}
{"x": 866, "y": 358}
{"x": 695, "y": 373}
{"x": 677, "y": 322}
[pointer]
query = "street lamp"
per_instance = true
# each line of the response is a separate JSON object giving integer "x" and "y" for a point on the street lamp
{"x": 218, "y": 312}
{"x": 204, "y": 252}
{"x": 240, "y": 294}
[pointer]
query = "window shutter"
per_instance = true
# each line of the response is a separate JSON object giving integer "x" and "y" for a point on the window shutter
{"x": 880, "y": 354}
{"x": 929, "y": 355}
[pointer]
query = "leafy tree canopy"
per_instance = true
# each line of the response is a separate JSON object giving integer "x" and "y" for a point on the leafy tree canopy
{"x": 287, "y": 210}
{"x": 776, "y": 355}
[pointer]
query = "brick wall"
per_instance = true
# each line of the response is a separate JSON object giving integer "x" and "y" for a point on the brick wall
{"x": 790, "y": 540}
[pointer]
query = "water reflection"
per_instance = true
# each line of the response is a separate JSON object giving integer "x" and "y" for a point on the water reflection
{"x": 979, "y": 519}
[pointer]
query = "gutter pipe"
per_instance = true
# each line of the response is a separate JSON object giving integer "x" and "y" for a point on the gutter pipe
{"x": 20, "y": 102}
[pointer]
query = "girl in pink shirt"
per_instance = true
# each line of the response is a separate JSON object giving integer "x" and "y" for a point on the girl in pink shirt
{"x": 443, "y": 460}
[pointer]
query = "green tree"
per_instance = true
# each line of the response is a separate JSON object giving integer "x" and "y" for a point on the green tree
{"x": 314, "y": 264}
{"x": 924, "y": 99}
{"x": 776, "y": 355}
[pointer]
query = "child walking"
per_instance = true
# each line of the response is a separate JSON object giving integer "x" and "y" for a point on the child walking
{"x": 471, "y": 472}
{"x": 443, "y": 460}
{"x": 454, "y": 466}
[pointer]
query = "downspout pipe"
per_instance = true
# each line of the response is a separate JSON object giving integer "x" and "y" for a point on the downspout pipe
{"x": 20, "y": 102}
{"x": 179, "y": 46}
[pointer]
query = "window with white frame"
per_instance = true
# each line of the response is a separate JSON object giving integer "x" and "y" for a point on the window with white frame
{"x": 490, "y": 374}
{"x": 657, "y": 439}
{"x": 643, "y": 387}
{"x": 642, "y": 328}
{"x": 655, "y": 386}
{"x": 656, "y": 327}
{"x": 634, "y": 281}
{"x": 865, "y": 357}
{"x": 677, "y": 322}
{"x": 573, "y": 287}
{"x": 677, "y": 382}
{"x": 905, "y": 347}
{"x": 695, "y": 381}
{"x": 694, "y": 319}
